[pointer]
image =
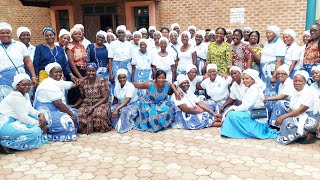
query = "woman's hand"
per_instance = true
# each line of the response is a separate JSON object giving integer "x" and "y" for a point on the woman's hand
{"x": 42, "y": 120}
{"x": 178, "y": 94}
{"x": 74, "y": 118}
{"x": 91, "y": 109}
{"x": 279, "y": 121}
{"x": 115, "y": 114}
{"x": 273, "y": 80}
{"x": 111, "y": 78}
{"x": 35, "y": 82}
{"x": 221, "y": 109}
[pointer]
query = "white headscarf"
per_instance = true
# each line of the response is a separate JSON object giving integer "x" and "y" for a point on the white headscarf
{"x": 247, "y": 28}
{"x": 173, "y": 32}
{"x": 192, "y": 27}
{"x": 212, "y": 32}
{"x": 174, "y": 25}
{"x": 307, "y": 33}
{"x": 103, "y": 33}
{"x": 284, "y": 68}
{"x": 114, "y": 36}
{"x": 18, "y": 78}
{"x": 137, "y": 33}
{"x": 164, "y": 39}
{"x": 157, "y": 32}
{"x": 50, "y": 66}
{"x": 152, "y": 28}
{"x": 74, "y": 29}
{"x": 121, "y": 27}
{"x": 315, "y": 68}
{"x": 189, "y": 67}
{"x": 128, "y": 32}
{"x": 274, "y": 29}
{"x": 255, "y": 76}
{"x": 120, "y": 71}
{"x": 4, "y": 25}
{"x": 235, "y": 68}
{"x": 230, "y": 31}
{"x": 291, "y": 32}
{"x": 143, "y": 30}
{"x": 21, "y": 30}
{"x": 304, "y": 73}
{"x": 78, "y": 26}
{"x": 64, "y": 32}
{"x": 201, "y": 33}
{"x": 212, "y": 66}
{"x": 181, "y": 78}
{"x": 143, "y": 40}
{"x": 186, "y": 33}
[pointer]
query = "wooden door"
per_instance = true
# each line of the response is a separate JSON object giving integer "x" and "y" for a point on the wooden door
{"x": 92, "y": 25}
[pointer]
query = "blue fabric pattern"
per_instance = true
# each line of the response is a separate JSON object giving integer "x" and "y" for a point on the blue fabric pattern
{"x": 125, "y": 121}
{"x": 183, "y": 120}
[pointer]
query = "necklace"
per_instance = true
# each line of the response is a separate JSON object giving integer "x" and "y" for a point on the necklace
{"x": 52, "y": 50}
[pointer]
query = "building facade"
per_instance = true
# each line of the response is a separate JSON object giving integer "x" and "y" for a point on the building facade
{"x": 100, "y": 14}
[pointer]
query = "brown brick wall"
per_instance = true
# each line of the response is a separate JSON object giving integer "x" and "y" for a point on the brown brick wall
{"x": 35, "y": 18}
{"x": 214, "y": 13}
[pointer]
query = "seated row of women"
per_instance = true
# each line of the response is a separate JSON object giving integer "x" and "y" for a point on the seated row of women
{"x": 295, "y": 113}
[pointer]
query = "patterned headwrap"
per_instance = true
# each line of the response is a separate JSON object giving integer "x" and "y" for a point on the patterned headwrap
{"x": 47, "y": 29}
{"x": 92, "y": 65}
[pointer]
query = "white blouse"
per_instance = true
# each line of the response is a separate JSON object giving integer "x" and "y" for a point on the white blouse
{"x": 189, "y": 99}
{"x": 142, "y": 61}
{"x": 304, "y": 97}
{"x": 237, "y": 91}
{"x": 253, "y": 97}
{"x": 185, "y": 58}
{"x": 293, "y": 54}
{"x": 272, "y": 50}
{"x": 286, "y": 88}
{"x": 202, "y": 50}
{"x": 217, "y": 89}
{"x": 163, "y": 63}
{"x": 19, "y": 107}
{"x": 119, "y": 51}
{"x": 16, "y": 51}
{"x": 128, "y": 91}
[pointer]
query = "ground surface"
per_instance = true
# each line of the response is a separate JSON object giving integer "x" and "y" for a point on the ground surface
{"x": 174, "y": 154}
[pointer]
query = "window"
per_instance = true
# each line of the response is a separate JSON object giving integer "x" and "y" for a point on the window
{"x": 99, "y": 9}
{"x": 141, "y": 16}
{"x": 64, "y": 19}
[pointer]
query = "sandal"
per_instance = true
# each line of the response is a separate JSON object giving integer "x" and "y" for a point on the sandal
{"x": 6, "y": 150}
{"x": 307, "y": 140}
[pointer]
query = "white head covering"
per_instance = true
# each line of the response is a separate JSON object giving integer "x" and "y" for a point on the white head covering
{"x": 212, "y": 66}
{"x": 4, "y": 25}
{"x": 137, "y": 33}
{"x": 174, "y": 25}
{"x": 18, "y": 78}
{"x": 74, "y": 29}
{"x": 248, "y": 28}
{"x": 143, "y": 30}
{"x": 212, "y": 32}
{"x": 201, "y": 33}
{"x": 255, "y": 76}
{"x": 103, "y": 33}
{"x": 275, "y": 29}
{"x": 50, "y": 66}
{"x": 152, "y": 28}
{"x": 316, "y": 68}
{"x": 284, "y": 68}
{"x": 21, "y": 30}
{"x": 173, "y": 32}
{"x": 128, "y": 32}
{"x": 157, "y": 32}
{"x": 114, "y": 36}
{"x": 143, "y": 40}
{"x": 122, "y": 71}
{"x": 64, "y": 32}
{"x": 307, "y": 33}
{"x": 235, "y": 68}
{"x": 291, "y": 32}
{"x": 304, "y": 73}
{"x": 189, "y": 67}
{"x": 181, "y": 78}
{"x": 121, "y": 27}
{"x": 164, "y": 39}
{"x": 78, "y": 26}
{"x": 230, "y": 31}
{"x": 186, "y": 33}
{"x": 192, "y": 27}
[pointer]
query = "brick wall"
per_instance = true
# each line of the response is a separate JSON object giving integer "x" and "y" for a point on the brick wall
{"x": 214, "y": 13}
{"x": 35, "y": 18}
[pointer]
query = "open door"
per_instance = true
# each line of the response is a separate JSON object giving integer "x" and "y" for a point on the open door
{"x": 92, "y": 26}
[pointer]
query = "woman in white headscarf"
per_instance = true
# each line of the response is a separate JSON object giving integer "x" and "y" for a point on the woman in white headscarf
{"x": 238, "y": 122}
{"x": 62, "y": 121}
{"x": 202, "y": 50}
{"x": 191, "y": 113}
{"x": 64, "y": 38}
{"x": 272, "y": 56}
{"x": 186, "y": 54}
{"x": 301, "y": 117}
{"x": 293, "y": 51}
{"x": 21, "y": 126}
{"x": 124, "y": 108}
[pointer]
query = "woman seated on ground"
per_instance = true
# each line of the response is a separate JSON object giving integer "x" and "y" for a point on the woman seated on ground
{"x": 21, "y": 126}
{"x": 93, "y": 105}
{"x": 191, "y": 113}
{"x": 237, "y": 89}
{"x": 124, "y": 108}
{"x": 216, "y": 87}
{"x": 155, "y": 110}
{"x": 62, "y": 121}
{"x": 194, "y": 78}
{"x": 285, "y": 90}
{"x": 301, "y": 117}
{"x": 238, "y": 122}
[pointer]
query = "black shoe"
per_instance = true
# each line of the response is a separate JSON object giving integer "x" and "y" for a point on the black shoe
{"x": 306, "y": 140}
{"x": 6, "y": 150}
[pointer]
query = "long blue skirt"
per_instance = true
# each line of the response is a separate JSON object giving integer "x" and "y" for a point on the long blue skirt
{"x": 60, "y": 125}
{"x": 125, "y": 121}
{"x": 20, "y": 136}
{"x": 281, "y": 107}
{"x": 183, "y": 120}
{"x": 121, "y": 65}
{"x": 6, "y": 79}
{"x": 240, "y": 125}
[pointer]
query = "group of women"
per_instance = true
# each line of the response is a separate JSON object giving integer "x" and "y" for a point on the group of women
{"x": 153, "y": 80}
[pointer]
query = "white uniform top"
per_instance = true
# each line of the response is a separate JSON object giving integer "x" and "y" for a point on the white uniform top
{"x": 19, "y": 107}
{"x": 142, "y": 61}
{"x": 304, "y": 97}
{"x": 193, "y": 83}
{"x": 185, "y": 58}
{"x": 16, "y": 51}
{"x": 85, "y": 42}
{"x": 286, "y": 88}
{"x": 302, "y": 51}
{"x": 253, "y": 97}
{"x": 128, "y": 91}
{"x": 202, "y": 50}
{"x": 237, "y": 91}
{"x": 189, "y": 99}
{"x": 173, "y": 48}
{"x": 163, "y": 63}
{"x": 272, "y": 50}
{"x": 218, "y": 89}
{"x": 31, "y": 50}
{"x": 119, "y": 51}
{"x": 293, "y": 54}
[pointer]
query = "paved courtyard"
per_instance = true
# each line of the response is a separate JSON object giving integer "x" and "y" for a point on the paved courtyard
{"x": 171, "y": 154}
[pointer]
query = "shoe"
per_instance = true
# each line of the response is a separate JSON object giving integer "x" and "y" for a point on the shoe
{"x": 6, "y": 150}
{"x": 306, "y": 140}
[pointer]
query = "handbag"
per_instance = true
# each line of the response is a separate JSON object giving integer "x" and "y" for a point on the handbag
{"x": 259, "y": 113}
